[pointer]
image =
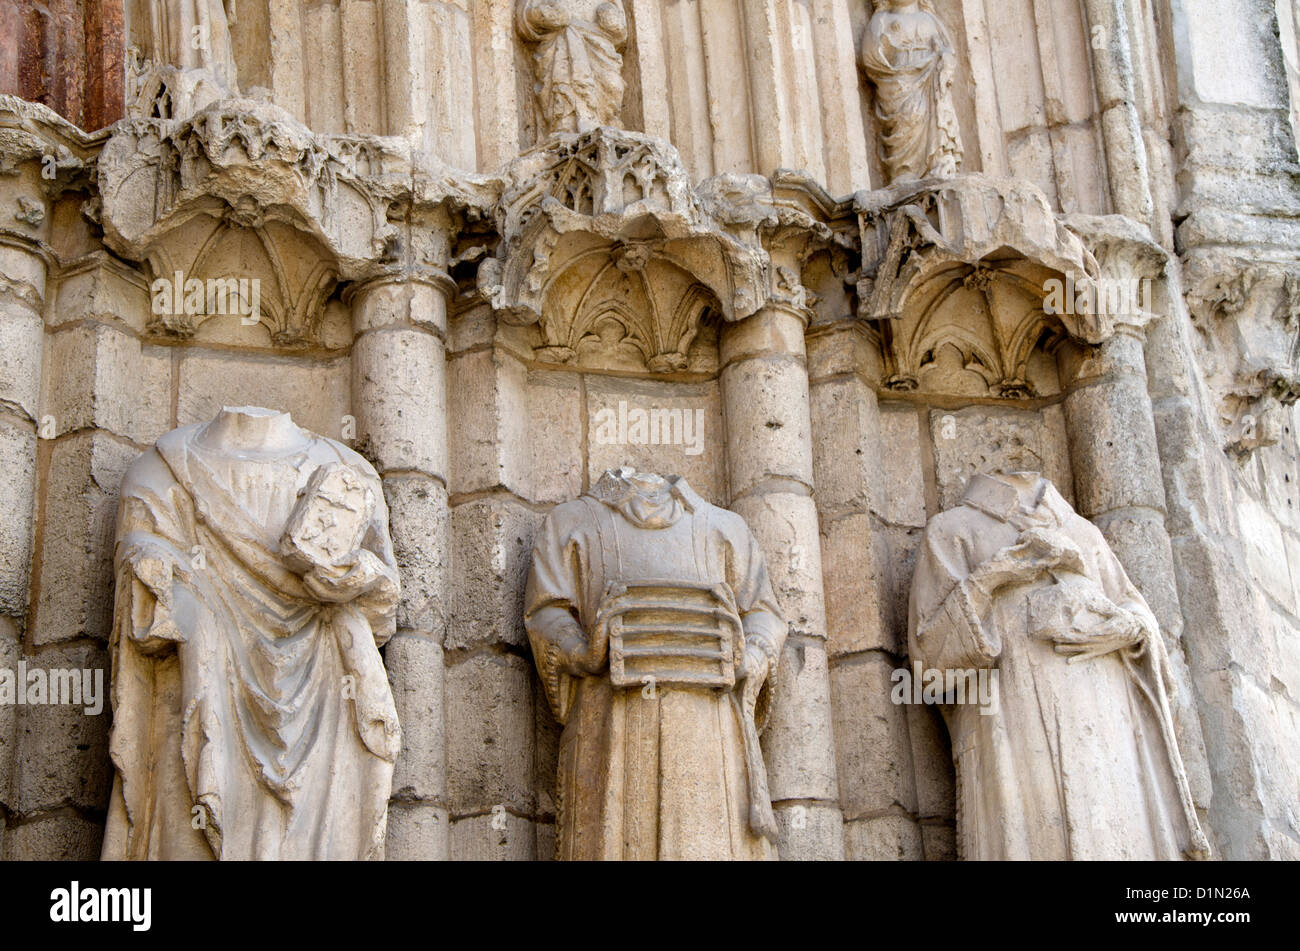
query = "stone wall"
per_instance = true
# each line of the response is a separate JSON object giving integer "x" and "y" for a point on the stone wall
{"x": 470, "y": 301}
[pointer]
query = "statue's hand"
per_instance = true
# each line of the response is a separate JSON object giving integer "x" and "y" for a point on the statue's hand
{"x": 573, "y": 652}
{"x": 1123, "y": 631}
{"x": 346, "y": 582}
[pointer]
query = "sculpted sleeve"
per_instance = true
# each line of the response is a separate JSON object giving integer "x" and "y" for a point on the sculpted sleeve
{"x": 950, "y": 614}
{"x": 552, "y": 607}
{"x": 760, "y": 614}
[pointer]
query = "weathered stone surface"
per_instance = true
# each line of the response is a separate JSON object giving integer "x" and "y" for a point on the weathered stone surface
{"x": 18, "y": 463}
{"x": 81, "y": 496}
{"x": 491, "y": 538}
{"x": 489, "y": 734}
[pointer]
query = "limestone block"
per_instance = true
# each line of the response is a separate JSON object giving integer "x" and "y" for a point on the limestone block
{"x": 315, "y": 393}
{"x": 489, "y": 735}
{"x": 488, "y": 445}
{"x": 554, "y": 421}
{"x": 1139, "y": 538}
{"x": 400, "y": 400}
{"x": 63, "y": 748}
{"x": 873, "y": 754}
{"x": 931, "y": 761}
{"x": 11, "y": 653}
{"x": 770, "y": 333}
{"x": 857, "y": 577}
{"x": 990, "y": 439}
{"x": 785, "y": 525}
{"x": 415, "y": 672}
{"x": 810, "y": 832}
{"x": 102, "y": 377}
{"x": 22, "y": 335}
{"x": 673, "y": 428}
{"x": 1193, "y": 479}
{"x": 103, "y": 290}
{"x": 496, "y": 837}
{"x": 75, "y": 596}
{"x": 833, "y": 351}
{"x": 939, "y": 842}
{"x": 800, "y": 763}
{"x": 389, "y": 304}
{"x": 1265, "y": 548}
{"x": 901, "y": 545}
{"x": 1113, "y": 448}
{"x": 768, "y": 426}
{"x": 59, "y": 838}
{"x": 491, "y": 542}
{"x": 417, "y": 832}
{"x": 18, "y": 487}
{"x": 901, "y": 496}
{"x": 845, "y": 444}
{"x": 473, "y": 328}
{"x": 891, "y": 838}
{"x": 420, "y": 524}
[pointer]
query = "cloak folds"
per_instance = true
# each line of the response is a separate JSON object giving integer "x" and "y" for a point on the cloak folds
{"x": 1079, "y": 760}
{"x": 651, "y": 768}
{"x": 252, "y": 718}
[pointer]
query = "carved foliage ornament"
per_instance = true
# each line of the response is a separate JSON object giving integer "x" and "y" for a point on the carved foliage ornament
{"x": 605, "y": 245}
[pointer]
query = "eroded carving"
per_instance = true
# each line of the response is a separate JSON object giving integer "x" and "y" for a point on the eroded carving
{"x": 1076, "y": 758}
{"x": 955, "y": 277}
{"x": 602, "y": 229}
{"x": 1248, "y": 316}
{"x": 656, "y": 634}
{"x": 255, "y": 583}
{"x": 909, "y": 56}
{"x": 577, "y": 61}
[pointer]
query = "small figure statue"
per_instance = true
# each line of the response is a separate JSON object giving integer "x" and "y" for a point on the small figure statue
{"x": 656, "y": 633}
{"x": 909, "y": 57}
{"x": 252, "y": 716}
{"x": 1076, "y": 759}
{"x": 578, "y": 62}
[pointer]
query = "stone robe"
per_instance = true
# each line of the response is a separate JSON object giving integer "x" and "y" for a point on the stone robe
{"x": 647, "y": 774}
{"x": 252, "y": 720}
{"x": 1079, "y": 761}
{"x": 909, "y": 57}
{"x": 578, "y": 64}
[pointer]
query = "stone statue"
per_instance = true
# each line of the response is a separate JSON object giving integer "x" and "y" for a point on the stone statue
{"x": 255, "y": 583}
{"x": 1077, "y": 758}
{"x": 182, "y": 59}
{"x": 655, "y": 632}
{"x": 578, "y": 61}
{"x": 909, "y": 56}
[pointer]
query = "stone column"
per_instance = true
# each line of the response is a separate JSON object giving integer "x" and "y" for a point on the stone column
{"x": 399, "y": 400}
{"x": 770, "y": 461}
{"x": 24, "y": 261}
{"x": 1118, "y": 482}
{"x": 1121, "y": 128}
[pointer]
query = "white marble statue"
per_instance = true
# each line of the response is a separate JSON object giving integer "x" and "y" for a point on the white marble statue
{"x": 1079, "y": 760}
{"x": 578, "y": 60}
{"x": 655, "y": 631}
{"x": 909, "y": 56}
{"x": 252, "y": 717}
